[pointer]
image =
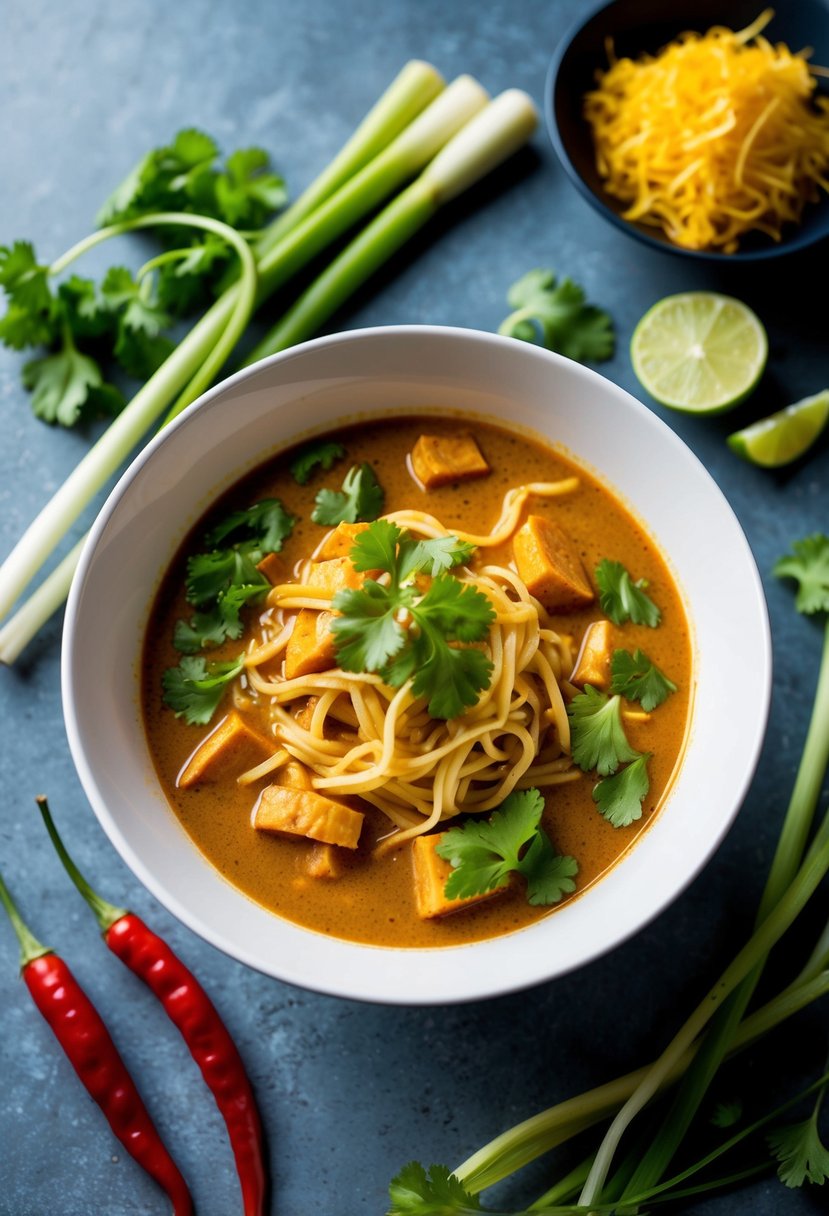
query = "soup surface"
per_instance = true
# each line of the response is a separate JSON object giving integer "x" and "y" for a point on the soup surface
{"x": 367, "y": 893}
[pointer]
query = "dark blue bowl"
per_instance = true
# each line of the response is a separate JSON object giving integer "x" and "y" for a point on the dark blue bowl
{"x": 638, "y": 26}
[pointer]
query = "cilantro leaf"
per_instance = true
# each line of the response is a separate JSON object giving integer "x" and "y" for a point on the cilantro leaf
{"x": 23, "y": 279}
{"x": 369, "y": 636}
{"x": 88, "y": 313}
{"x": 223, "y": 621}
{"x": 620, "y": 797}
{"x": 484, "y": 854}
{"x": 315, "y": 455}
{"x": 554, "y": 314}
{"x": 195, "y": 688}
{"x": 267, "y": 519}
{"x": 209, "y": 574}
{"x": 622, "y": 599}
{"x": 598, "y": 739}
{"x": 414, "y": 1192}
{"x": 801, "y": 1154}
{"x": 245, "y": 192}
{"x": 361, "y": 498}
{"x": 67, "y": 385}
{"x": 140, "y": 311}
{"x": 726, "y": 1114}
{"x": 139, "y": 354}
{"x": 634, "y": 676}
{"x": 809, "y": 566}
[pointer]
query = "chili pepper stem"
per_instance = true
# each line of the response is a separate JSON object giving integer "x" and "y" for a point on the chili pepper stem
{"x": 106, "y": 913}
{"x": 30, "y": 947}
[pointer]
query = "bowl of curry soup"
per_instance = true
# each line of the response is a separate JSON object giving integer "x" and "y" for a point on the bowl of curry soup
{"x": 414, "y": 682}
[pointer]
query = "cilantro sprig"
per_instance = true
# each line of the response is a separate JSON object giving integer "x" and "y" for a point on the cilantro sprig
{"x": 90, "y": 330}
{"x": 637, "y": 677}
{"x": 320, "y": 455}
{"x": 418, "y": 1192}
{"x": 361, "y": 499}
{"x": 808, "y": 565}
{"x": 554, "y": 314}
{"x": 622, "y": 599}
{"x": 598, "y": 742}
{"x": 485, "y": 854}
{"x": 220, "y": 583}
{"x": 403, "y": 632}
{"x": 195, "y": 688}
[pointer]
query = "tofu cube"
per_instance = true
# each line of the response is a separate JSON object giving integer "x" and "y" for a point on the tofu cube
{"x": 335, "y": 574}
{"x": 549, "y": 563}
{"x": 439, "y": 459}
{"x": 430, "y": 875}
{"x": 311, "y": 644}
{"x": 274, "y": 569}
{"x": 324, "y": 861}
{"x": 340, "y": 542}
{"x": 293, "y": 812}
{"x": 231, "y": 747}
{"x": 593, "y": 662}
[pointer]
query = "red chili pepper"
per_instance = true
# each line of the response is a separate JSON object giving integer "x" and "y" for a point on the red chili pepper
{"x": 78, "y": 1027}
{"x": 190, "y": 1009}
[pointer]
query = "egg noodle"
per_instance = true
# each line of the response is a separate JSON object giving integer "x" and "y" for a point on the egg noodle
{"x": 358, "y": 736}
{"x": 716, "y": 135}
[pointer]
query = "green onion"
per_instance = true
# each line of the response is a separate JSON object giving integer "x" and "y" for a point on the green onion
{"x": 400, "y": 135}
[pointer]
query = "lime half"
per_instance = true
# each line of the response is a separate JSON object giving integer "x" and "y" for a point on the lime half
{"x": 699, "y": 352}
{"x": 782, "y": 437}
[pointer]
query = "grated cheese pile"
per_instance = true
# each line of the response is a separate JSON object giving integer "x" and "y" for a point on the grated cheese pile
{"x": 716, "y": 135}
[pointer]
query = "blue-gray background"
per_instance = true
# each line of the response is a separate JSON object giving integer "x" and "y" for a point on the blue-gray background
{"x": 350, "y": 1092}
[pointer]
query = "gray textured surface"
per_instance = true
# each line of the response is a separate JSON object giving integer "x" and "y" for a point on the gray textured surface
{"x": 349, "y": 1093}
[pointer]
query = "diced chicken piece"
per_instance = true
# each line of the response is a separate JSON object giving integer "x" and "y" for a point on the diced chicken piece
{"x": 230, "y": 748}
{"x": 324, "y": 861}
{"x": 295, "y": 776}
{"x": 340, "y": 542}
{"x": 430, "y": 875}
{"x": 306, "y": 813}
{"x": 274, "y": 569}
{"x": 311, "y": 644}
{"x": 439, "y": 459}
{"x": 549, "y": 564}
{"x": 593, "y": 663}
{"x": 335, "y": 574}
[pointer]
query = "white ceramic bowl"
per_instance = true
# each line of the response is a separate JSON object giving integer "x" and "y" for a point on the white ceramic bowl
{"x": 310, "y": 388}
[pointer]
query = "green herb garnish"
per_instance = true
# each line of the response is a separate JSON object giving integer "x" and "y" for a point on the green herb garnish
{"x": 598, "y": 739}
{"x": 622, "y": 599}
{"x": 484, "y": 854}
{"x": 370, "y": 635}
{"x": 809, "y": 566}
{"x": 195, "y": 688}
{"x": 620, "y": 796}
{"x": 636, "y": 677}
{"x": 316, "y": 455}
{"x": 554, "y": 314}
{"x": 361, "y": 498}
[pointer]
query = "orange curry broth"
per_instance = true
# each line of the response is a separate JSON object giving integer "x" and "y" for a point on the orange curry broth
{"x": 373, "y": 901}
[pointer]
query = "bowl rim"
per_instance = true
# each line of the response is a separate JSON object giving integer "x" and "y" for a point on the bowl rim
{"x": 801, "y": 239}
{"x": 458, "y": 989}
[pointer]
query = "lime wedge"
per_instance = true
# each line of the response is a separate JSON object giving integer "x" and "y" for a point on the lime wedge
{"x": 699, "y": 352}
{"x": 782, "y": 437}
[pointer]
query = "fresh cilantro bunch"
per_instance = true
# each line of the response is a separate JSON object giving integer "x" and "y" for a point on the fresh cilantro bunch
{"x": 808, "y": 564}
{"x": 554, "y": 314}
{"x": 361, "y": 498}
{"x": 484, "y": 854}
{"x": 403, "y": 632}
{"x": 220, "y": 583}
{"x": 90, "y": 329}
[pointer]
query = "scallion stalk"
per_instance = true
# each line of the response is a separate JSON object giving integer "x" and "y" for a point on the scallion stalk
{"x": 486, "y": 141}
{"x": 196, "y": 361}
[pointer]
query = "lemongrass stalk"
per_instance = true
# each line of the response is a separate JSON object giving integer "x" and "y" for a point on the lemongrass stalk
{"x": 788, "y": 855}
{"x": 529, "y": 1140}
{"x": 809, "y": 877}
{"x": 486, "y": 141}
{"x": 18, "y": 630}
{"x": 412, "y": 89}
{"x": 121, "y": 436}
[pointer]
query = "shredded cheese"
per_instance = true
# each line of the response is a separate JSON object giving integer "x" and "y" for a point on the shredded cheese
{"x": 716, "y": 135}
